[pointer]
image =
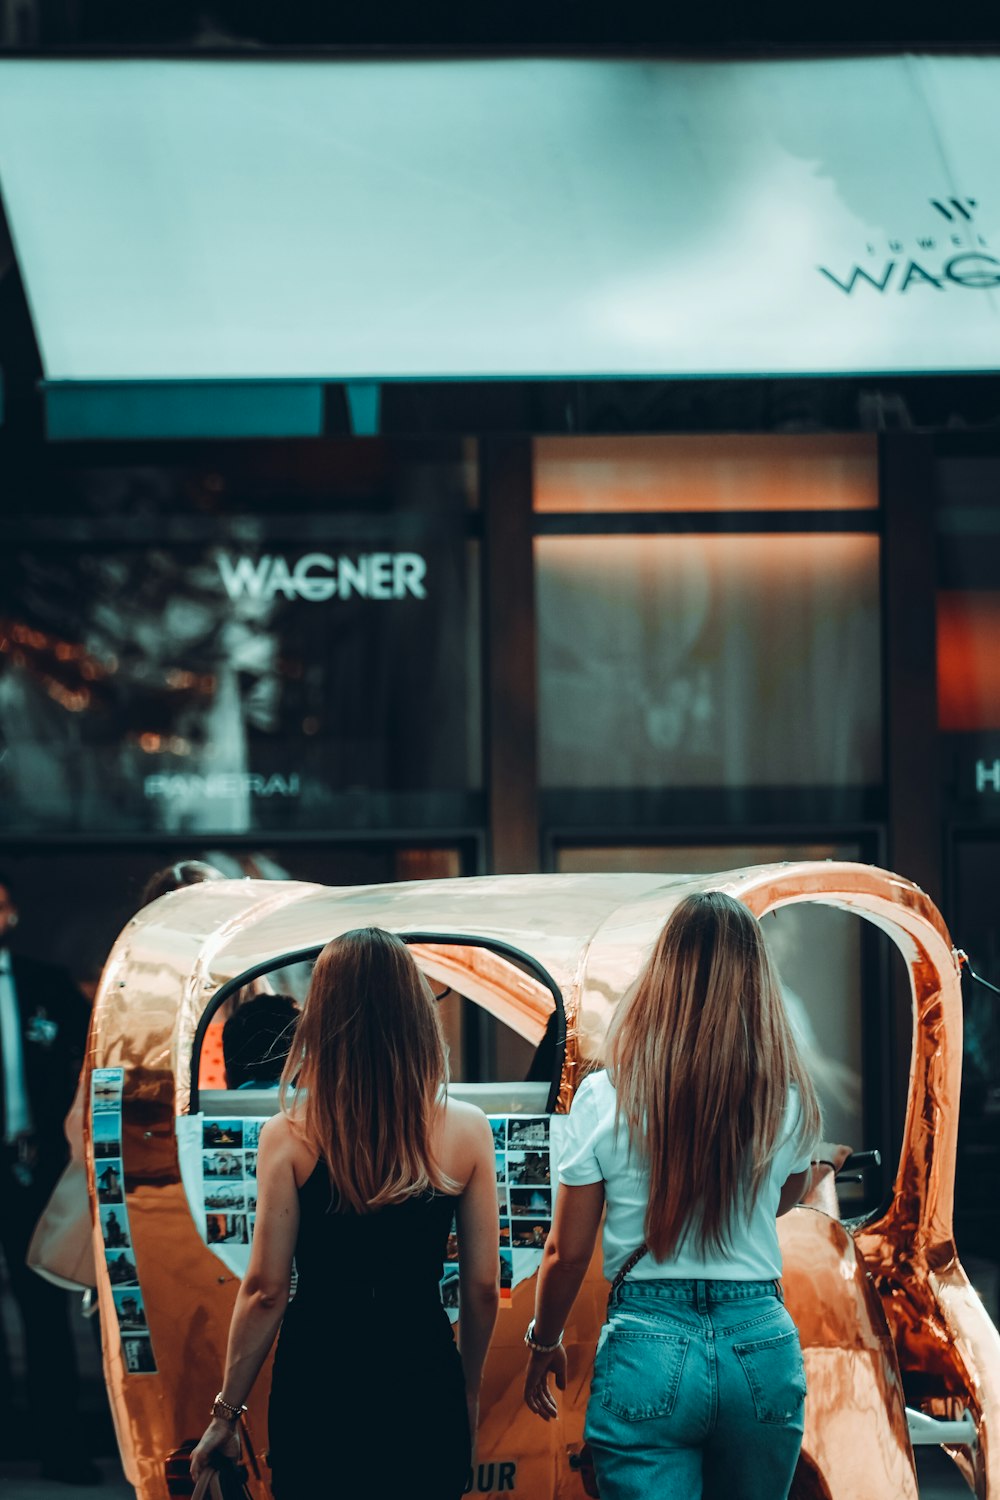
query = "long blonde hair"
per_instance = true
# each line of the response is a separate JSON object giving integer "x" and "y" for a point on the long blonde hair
{"x": 366, "y": 1071}
{"x": 702, "y": 1058}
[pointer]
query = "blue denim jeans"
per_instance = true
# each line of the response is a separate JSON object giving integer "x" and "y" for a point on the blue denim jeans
{"x": 698, "y": 1393}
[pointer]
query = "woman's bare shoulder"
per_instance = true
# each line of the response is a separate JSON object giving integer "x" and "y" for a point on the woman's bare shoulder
{"x": 465, "y": 1138}
{"x": 283, "y": 1135}
{"x": 277, "y": 1134}
{"x": 467, "y": 1120}
{"x": 285, "y": 1146}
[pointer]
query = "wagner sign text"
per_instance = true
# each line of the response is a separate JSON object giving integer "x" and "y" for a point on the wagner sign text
{"x": 318, "y": 576}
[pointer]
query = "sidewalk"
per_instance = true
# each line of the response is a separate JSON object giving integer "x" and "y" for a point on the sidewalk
{"x": 20, "y": 1481}
{"x": 939, "y": 1480}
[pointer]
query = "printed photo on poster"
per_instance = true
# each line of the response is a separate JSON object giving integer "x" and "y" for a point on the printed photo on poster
{"x": 251, "y": 1221}
{"x": 529, "y": 1234}
{"x": 251, "y": 1133}
{"x": 223, "y": 1134}
{"x": 250, "y": 1164}
{"x": 501, "y": 1161}
{"x": 526, "y": 1263}
{"x": 530, "y": 1203}
{"x": 227, "y": 1196}
{"x": 226, "y": 1229}
{"x": 451, "y": 1250}
{"x": 107, "y": 1133}
{"x": 506, "y": 1271}
{"x": 130, "y": 1308}
{"x": 504, "y": 1234}
{"x": 106, "y": 1089}
{"x": 528, "y": 1133}
{"x": 108, "y": 1175}
{"x": 502, "y": 1203}
{"x": 114, "y": 1229}
{"x": 222, "y": 1164}
{"x": 449, "y": 1287}
{"x": 499, "y": 1128}
{"x": 528, "y": 1168}
{"x": 121, "y": 1268}
{"x": 137, "y": 1350}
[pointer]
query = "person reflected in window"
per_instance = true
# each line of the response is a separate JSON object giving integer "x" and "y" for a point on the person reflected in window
{"x": 359, "y": 1178}
{"x": 695, "y": 1139}
{"x": 176, "y": 877}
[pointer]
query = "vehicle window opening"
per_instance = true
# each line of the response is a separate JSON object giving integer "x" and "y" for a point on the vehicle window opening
{"x": 489, "y": 1051}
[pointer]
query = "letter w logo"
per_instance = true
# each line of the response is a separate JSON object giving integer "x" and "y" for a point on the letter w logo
{"x": 856, "y": 275}
{"x": 955, "y": 208}
{"x": 244, "y": 578}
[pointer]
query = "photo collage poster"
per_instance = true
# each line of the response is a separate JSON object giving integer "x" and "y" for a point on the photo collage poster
{"x": 523, "y": 1157}
{"x": 116, "y": 1233}
{"x": 229, "y": 1180}
{"x": 218, "y": 1158}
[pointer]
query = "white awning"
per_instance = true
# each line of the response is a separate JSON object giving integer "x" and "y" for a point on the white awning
{"x": 259, "y": 228}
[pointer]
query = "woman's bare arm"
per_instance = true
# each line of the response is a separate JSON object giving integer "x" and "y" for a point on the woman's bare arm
{"x": 479, "y": 1253}
{"x": 817, "y": 1187}
{"x": 263, "y": 1295}
{"x": 567, "y": 1255}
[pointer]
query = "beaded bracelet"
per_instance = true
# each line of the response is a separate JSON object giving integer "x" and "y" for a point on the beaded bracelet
{"x": 534, "y": 1345}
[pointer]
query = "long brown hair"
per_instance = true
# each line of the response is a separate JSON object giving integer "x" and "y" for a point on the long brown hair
{"x": 702, "y": 1058}
{"x": 367, "y": 1069}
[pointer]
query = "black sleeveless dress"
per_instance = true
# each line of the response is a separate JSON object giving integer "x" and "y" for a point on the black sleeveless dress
{"x": 367, "y": 1394}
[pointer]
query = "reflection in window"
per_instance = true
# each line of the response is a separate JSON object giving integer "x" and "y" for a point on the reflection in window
{"x": 968, "y": 662}
{"x": 709, "y": 660}
{"x": 268, "y": 662}
{"x": 720, "y": 471}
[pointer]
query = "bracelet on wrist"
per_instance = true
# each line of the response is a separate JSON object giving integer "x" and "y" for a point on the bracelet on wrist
{"x": 535, "y": 1345}
{"x": 224, "y": 1411}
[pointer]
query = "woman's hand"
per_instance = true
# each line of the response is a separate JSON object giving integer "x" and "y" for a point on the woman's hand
{"x": 537, "y": 1396}
{"x": 219, "y": 1437}
{"x": 831, "y": 1156}
{"x": 821, "y": 1191}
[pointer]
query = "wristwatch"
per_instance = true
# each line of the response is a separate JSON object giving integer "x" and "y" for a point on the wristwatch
{"x": 223, "y": 1412}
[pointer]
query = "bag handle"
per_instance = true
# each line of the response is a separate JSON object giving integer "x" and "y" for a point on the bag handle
{"x": 629, "y": 1265}
{"x": 246, "y": 1445}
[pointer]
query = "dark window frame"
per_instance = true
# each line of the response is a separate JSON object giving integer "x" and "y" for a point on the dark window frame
{"x": 451, "y": 940}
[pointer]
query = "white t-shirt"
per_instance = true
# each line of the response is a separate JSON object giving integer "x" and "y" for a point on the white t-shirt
{"x": 594, "y": 1151}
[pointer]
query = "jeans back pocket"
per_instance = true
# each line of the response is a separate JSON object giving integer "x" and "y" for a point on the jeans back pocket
{"x": 642, "y": 1374}
{"x": 776, "y": 1376}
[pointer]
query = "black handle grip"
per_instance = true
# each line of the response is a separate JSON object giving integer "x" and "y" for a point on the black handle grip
{"x": 860, "y": 1160}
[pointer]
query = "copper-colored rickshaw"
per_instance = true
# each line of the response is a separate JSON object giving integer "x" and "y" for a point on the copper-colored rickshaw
{"x": 881, "y": 1306}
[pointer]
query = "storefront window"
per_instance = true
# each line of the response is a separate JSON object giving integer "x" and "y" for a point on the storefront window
{"x": 968, "y": 621}
{"x": 717, "y": 472}
{"x": 211, "y": 649}
{"x": 677, "y": 660}
{"x": 967, "y": 556}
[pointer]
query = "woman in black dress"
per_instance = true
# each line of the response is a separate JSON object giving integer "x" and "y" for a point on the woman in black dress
{"x": 359, "y": 1178}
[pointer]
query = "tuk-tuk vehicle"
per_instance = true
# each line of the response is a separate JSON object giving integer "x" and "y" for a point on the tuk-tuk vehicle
{"x": 898, "y": 1347}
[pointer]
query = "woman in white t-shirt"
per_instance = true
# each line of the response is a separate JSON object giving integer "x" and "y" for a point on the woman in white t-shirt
{"x": 694, "y": 1141}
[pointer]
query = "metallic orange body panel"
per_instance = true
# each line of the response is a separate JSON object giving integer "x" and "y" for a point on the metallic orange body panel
{"x": 886, "y": 1302}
